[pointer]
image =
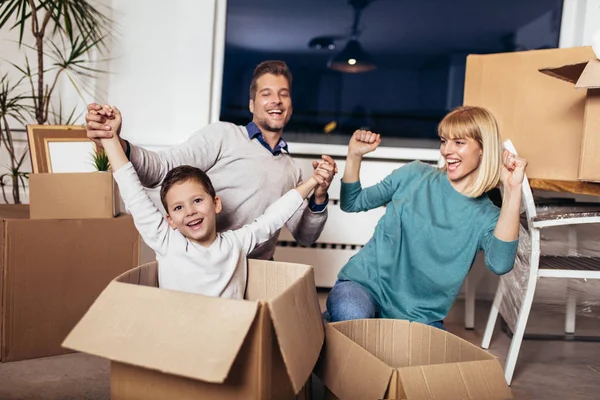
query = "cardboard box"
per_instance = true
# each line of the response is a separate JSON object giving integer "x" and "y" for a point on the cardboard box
{"x": 395, "y": 359}
{"x": 63, "y": 188}
{"x": 543, "y": 117}
{"x": 173, "y": 345}
{"x": 51, "y": 271}
{"x": 585, "y": 75}
{"x": 73, "y": 195}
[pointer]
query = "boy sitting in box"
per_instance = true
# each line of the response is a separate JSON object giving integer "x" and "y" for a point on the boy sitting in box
{"x": 192, "y": 256}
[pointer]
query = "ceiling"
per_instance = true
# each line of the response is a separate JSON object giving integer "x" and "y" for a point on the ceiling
{"x": 417, "y": 27}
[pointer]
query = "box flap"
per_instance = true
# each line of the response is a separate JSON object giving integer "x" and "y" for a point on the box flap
{"x": 429, "y": 346}
{"x": 590, "y": 78}
{"x": 296, "y": 315}
{"x": 386, "y": 339}
{"x": 178, "y": 333}
{"x": 477, "y": 380}
{"x": 145, "y": 274}
{"x": 569, "y": 73}
{"x": 348, "y": 370}
{"x": 584, "y": 75}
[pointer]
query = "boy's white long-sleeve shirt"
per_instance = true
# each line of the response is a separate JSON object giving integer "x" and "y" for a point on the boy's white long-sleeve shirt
{"x": 217, "y": 270}
{"x": 247, "y": 177}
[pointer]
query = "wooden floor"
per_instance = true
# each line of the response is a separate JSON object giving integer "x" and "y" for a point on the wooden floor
{"x": 546, "y": 370}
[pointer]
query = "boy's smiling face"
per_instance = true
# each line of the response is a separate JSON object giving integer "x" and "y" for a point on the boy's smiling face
{"x": 193, "y": 212}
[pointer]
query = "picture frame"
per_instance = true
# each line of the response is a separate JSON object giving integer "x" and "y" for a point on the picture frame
{"x": 60, "y": 148}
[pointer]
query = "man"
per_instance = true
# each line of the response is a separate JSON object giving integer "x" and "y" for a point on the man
{"x": 249, "y": 166}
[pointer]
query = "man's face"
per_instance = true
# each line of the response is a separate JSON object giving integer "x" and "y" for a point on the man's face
{"x": 272, "y": 104}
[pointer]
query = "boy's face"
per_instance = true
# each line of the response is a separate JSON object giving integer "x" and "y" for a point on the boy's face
{"x": 193, "y": 212}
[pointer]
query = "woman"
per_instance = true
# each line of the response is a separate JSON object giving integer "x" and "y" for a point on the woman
{"x": 435, "y": 223}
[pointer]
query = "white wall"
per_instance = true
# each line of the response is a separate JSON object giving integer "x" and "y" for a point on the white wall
{"x": 580, "y": 19}
{"x": 164, "y": 64}
{"x": 163, "y": 68}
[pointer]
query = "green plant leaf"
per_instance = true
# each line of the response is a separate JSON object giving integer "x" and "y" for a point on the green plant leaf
{"x": 100, "y": 160}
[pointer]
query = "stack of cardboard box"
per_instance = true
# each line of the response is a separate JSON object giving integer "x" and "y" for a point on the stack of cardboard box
{"x": 56, "y": 256}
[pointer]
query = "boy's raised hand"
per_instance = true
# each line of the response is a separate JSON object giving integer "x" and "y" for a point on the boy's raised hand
{"x": 363, "y": 142}
{"x": 112, "y": 145}
{"x": 111, "y": 120}
{"x": 96, "y": 122}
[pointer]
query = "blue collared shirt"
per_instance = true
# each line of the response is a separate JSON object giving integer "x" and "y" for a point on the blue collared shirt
{"x": 282, "y": 146}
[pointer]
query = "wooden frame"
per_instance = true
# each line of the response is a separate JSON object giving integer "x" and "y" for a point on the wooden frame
{"x": 40, "y": 137}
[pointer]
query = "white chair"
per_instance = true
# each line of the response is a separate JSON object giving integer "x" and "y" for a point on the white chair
{"x": 515, "y": 292}
{"x": 470, "y": 287}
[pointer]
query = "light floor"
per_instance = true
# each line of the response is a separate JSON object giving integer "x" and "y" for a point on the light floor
{"x": 546, "y": 370}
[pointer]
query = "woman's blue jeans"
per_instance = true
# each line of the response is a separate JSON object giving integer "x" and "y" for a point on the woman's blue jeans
{"x": 349, "y": 300}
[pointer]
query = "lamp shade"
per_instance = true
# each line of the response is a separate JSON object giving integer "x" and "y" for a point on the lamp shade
{"x": 352, "y": 59}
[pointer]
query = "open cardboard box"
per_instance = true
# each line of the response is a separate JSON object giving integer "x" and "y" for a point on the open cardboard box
{"x": 396, "y": 359}
{"x": 173, "y": 345}
{"x": 552, "y": 125}
{"x": 585, "y": 75}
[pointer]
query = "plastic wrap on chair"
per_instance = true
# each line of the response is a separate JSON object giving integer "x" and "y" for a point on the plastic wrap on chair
{"x": 575, "y": 245}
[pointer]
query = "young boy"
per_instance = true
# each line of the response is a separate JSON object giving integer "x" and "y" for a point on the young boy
{"x": 192, "y": 256}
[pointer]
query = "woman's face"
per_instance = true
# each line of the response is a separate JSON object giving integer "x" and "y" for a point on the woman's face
{"x": 463, "y": 157}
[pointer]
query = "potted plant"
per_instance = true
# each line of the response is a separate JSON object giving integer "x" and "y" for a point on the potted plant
{"x": 63, "y": 35}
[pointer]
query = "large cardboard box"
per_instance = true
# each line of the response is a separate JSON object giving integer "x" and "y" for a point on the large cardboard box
{"x": 543, "y": 117}
{"x": 73, "y": 195}
{"x": 396, "y": 359}
{"x": 585, "y": 76}
{"x": 51, "y": 271}
{"x": 172, "y": 345}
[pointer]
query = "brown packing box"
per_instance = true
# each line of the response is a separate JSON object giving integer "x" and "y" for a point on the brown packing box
{"x": 546, "y": 119}
{"x": 396, "y": 359}
{"x": 173, "y": 345}
{"x": 586, "y": 76}
{"x": 67, "y": 195}
{"x": 73, "y": 195}
{"x": 51, "y": 271}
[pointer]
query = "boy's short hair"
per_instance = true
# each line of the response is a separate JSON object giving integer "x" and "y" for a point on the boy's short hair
{"x": 273, "y": 67}
{"x": 182, "y": 174}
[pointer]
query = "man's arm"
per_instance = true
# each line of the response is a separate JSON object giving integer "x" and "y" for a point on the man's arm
{"x": 309, "y": 220}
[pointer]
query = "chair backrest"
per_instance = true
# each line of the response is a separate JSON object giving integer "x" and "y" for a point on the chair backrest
{"x": 527, "y": 194}
{"x": 514, "y": 284}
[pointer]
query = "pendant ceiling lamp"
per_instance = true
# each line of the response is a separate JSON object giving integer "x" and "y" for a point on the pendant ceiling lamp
{"x": 353, "y": 58}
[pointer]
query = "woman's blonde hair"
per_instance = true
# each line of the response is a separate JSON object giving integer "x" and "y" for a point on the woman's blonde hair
{"x": 477, "y": 123}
